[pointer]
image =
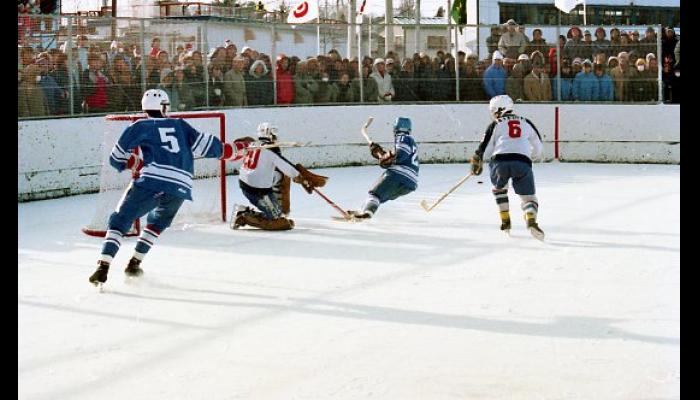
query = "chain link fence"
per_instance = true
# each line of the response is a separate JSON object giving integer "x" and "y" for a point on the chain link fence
{"x": 72, "y": 65}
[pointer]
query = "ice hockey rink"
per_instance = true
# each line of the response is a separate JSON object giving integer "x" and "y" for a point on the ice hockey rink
{"x": 409, "y": 305}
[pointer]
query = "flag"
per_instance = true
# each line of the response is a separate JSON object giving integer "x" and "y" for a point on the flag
{"x": 304, "y": 12}
{"x": 362, "y": 7}
{"x": 567, "y": 5}
{"x": 459, "y": 13}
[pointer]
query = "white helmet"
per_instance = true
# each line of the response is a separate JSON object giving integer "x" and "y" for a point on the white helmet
{"x": 267, "y": 132}
{"x": 500, "y": 105}
{"x": 156, "y": 100}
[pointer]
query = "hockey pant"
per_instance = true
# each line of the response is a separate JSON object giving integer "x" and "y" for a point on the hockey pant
{"x": 523, "y": 180}
{"x": 388, "y": 187}
{"x": 137, "y": 202}
{"x": 271, "y": 217}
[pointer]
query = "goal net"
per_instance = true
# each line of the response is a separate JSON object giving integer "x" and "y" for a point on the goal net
{"x": 209, "y": 186}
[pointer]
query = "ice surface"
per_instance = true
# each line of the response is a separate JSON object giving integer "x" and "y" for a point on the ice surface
{"x": 409, "y": 305}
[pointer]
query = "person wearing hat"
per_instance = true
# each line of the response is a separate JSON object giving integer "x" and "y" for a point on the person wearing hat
{"x": 492, "y": 41}
{"x": 648, "y": 43}
{"x": 536, "y": 85}
{"x": 575, "y": 47}
{"x": 567, "y": 82}
{"x": 601, "y": 44}
{"x": 384, "y": 85}
{"x": 495, "y": 76}
{"x": 576, "y": 66}
{"x": 515, "y": 83}
{"x": 585, "y": 83}
{"x": 643, "y": 87}
{"x": 587, "y": 43}
{"x": 390, "y": 68}
{"x": 512, "y": 43}
{"x": 668, "y": 44}
{"x": 524, "y": 61}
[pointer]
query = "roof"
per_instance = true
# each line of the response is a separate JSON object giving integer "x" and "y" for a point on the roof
{"x": 423, "y": 21}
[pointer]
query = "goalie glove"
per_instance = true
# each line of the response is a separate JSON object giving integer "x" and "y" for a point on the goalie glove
{"x": 477, "y": 164}
{"x": 308, "y": 179}
{"x": 135, "y": 163}
{"x": 376, "y": 150}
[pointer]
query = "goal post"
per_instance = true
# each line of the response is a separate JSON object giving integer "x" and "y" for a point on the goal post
{"x": 209, "y": 203}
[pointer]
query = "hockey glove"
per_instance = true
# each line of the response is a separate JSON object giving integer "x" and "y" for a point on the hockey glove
{"x": 387, "y": 159}
{"x": 308, "y": 179}
{"x": 477, "y": 164}
{"x": 376, "y": 150}
{"x": 135, "y": 163}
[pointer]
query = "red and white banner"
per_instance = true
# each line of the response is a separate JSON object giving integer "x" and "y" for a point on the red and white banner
{"x": 306, "y": 11}
{"x": 362, "y": 7}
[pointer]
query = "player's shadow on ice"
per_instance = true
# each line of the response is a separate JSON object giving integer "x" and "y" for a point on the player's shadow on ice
{"x": 562, "y": 326}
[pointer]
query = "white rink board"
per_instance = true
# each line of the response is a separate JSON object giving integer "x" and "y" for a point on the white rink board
{"x": 61, "y": 156}
{"x": 407, "y": 306}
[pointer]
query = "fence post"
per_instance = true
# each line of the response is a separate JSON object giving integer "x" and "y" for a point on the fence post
{"x": 69, "y": 52}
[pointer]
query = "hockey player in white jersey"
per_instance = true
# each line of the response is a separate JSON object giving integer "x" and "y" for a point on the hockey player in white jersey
{"x": 510, "y": 143}
{"x": 168, "y": 146}
{"x": 262, "y": 183}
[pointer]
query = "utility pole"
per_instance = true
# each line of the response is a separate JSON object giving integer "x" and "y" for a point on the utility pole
{"x": 114, "y": 19}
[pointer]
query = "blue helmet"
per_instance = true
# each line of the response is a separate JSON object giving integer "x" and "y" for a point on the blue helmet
{"x": 402, "y": 125}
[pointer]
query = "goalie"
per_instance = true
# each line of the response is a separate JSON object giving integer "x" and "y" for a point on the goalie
{"x": 401, "y": 175}
{"x": 265, "y": 181}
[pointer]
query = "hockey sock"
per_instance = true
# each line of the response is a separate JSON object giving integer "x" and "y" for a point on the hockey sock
{"x": 146, "y": 240}
{"x": 529, "y": 205}
{"x": 501, "y": 196}
{"x": 111, "y": 245}
{"x": 371, "y": 204}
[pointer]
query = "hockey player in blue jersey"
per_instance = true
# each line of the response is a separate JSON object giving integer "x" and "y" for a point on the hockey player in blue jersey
{"x": 168, "y": 146}
{"x": 401, "y": 175}
{"x": 510, "y": 142}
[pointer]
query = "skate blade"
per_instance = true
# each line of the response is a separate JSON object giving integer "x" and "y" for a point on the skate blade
{"x": 506, "y": 232}
{"x": 539, "y": 235}
{"x": 99, "y": 286}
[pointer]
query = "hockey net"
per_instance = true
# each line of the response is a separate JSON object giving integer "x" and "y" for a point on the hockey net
{"x": 209, "y": 187}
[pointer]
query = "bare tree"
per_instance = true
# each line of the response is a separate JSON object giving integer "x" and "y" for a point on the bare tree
{"x": 405, "y": 9}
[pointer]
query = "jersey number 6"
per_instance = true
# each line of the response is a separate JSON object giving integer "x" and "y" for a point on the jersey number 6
{"x": 169, "y": 142}
{"x": 514, "y": 129}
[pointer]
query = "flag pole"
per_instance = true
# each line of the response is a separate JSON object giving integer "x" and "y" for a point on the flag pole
{"x": 584, "y": 14}
{"x": 318, "y": 34}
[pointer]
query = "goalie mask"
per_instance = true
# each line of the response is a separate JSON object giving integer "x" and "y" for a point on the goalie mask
{"x": 156, "y": 100}
{"x": 500, "y": 105}
{"x": 402, "y": 126}
{"x": 267, "y": 132}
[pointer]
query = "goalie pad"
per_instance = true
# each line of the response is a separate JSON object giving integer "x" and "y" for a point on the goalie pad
{"x": 308, "y": 179}
{"x": 281, "y": 188}
{"x": 277, "y": 224}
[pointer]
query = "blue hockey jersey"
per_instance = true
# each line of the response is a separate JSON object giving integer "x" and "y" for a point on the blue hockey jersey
{"x": 406, "y": 165}
{"x": 168, "y": 148}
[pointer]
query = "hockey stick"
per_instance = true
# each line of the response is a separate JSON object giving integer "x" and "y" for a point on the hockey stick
{"x": 424, "y": 203}
{"x": 364, "y": 129}
{"x": 279, "y": 144}
{"x": 329, "y": 201}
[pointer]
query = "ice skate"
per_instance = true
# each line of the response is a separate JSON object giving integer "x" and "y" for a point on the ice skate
{"x": 360, "y": 214}
{"x": 535, "y": 230}
{"x": 505, "y": 222}
{"x": 99, "y": 277}
{"x": 133, "y": 270}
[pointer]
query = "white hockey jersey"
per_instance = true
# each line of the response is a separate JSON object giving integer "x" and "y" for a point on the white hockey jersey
{"x": 511, "y": 134}
{"x": 258, "y": 168}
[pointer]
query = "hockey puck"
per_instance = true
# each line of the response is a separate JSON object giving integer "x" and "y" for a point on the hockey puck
{"x": 479, "y": 181}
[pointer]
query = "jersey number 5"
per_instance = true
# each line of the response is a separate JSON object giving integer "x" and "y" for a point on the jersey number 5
{"x": 169, "y": 142}
{"x": 514, "y": 129}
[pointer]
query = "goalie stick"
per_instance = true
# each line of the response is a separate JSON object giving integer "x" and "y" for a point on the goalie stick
{"x": 329, "y": 201}
{"x": 424, "y": 203}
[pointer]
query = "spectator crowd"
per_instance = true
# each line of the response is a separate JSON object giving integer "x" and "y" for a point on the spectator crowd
{"x": 623, "y": 68}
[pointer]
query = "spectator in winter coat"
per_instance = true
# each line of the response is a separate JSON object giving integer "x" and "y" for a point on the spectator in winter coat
{"x": 302, "y": 95}
{"x": 125, "y": 91}
{"x": 512, "y": 43}
{"x": 52, "y": 92}
{"x": 259, "y": 87}
{"x": 495, "y": 77}
{"x": 648, "y": 44}
{"x": 668, "y": 44}
{"x": 567, "y": 82}
{"x": 31, "y": 101}
{"x": 553, "y": 55}
{"x": 370, "y": 90}
{"x": 94, "y": 86}
{"x": 470, "y": 83}
{"x": 383, "y": 79}
{"x": 235, "y": 93}
{"x": 622, "y": 75}
{"x": 585, "y": 83}
{"x": 181, "y": 98}
{"x": 587, "y": 44}
{"x": 406, "y": 85}
{"x": 285, "y": 81}
{"x": 606, "y": 91}
{"x": 217, "y": 88}
{"x": 515, "y": 83}
{"x": 524, "y": 61}
{"x": 643, "y": 87}
{"x": 445, "y": 81}
{"x": 601, "y": 44}
{"x": 537, "y": 43}
{"x": 326, "y": 91}
{"x": 343, "y": 89}
{"x": 615, "y": 42}
{"x": 575, "y": 48}
{"x": 671, "y": 82}
{"x": 612, "y": 63}
{"x": 492, "y": 41}
{"x": 536, "y": 85}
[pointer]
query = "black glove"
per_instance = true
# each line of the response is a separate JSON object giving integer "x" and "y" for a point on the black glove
{"x": 477, "y": 164}
{"x": 376, "y": 150}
